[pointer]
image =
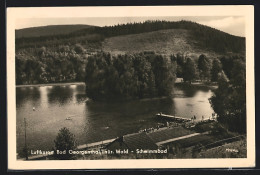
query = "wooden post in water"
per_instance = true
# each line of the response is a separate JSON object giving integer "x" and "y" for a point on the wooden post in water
{"x": 25, "y": 143}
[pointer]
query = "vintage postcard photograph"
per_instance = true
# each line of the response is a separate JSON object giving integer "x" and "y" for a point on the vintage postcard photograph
{"x": 130, "y": 87}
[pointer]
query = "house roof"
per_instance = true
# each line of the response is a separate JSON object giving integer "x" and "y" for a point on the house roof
{"x": 145, "y": 140}
{"x": 139, "y": 141}
{"x": 169, "y": 133}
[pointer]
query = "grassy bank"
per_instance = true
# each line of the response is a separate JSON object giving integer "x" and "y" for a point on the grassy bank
{"x": 237, "y": 149}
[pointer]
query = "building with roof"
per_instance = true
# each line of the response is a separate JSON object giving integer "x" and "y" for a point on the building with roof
{"x": 151, "y": 140}
{"x": 133, "y": 142}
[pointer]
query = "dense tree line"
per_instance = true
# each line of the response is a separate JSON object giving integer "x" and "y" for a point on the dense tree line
{"x": 129, "y": 76}
{"x": 203, "y": 68}
{"x": 209, "y": 37}
{"x": 229, "y": 100}
{"x": 42, "y": 65}
{"x": 66, "y": 63}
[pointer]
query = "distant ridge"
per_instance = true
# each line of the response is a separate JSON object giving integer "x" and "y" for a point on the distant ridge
{"x": 142, "y": 35}
{"x": 49, "y": 30}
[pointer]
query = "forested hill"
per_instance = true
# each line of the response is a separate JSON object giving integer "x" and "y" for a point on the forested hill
{"x": 63, "y": 57}
{"x": 206, "y": 37}
{"x": 49, "y": 30}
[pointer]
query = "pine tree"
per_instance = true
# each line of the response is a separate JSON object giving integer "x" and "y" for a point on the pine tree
{"x": 216, "y": 69}
{"x": 64, "y": 141}
{"x": 204, "y": 67}
{"x": 189, "y": 71}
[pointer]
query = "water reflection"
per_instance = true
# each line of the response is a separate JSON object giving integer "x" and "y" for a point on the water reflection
{"x": 133, "y": 108}
{"x": 80, "y": 94}
{"x": 24, "y": 95}
{"x": 188, "y": 90}
{"x": 81, "y": 98}
{"x": 110, "y": 120}
{"x": 60, "y": 95}
{"x": 80, "y": 89}
{"x": 193, "y": 100}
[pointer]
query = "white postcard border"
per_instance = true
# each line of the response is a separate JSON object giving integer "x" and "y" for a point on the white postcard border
{"x": 50, "y": 12}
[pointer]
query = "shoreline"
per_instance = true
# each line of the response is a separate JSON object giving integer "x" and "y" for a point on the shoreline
{"x": 81, "y": 83}
{"x": 212, "y": 85}
{"x": 51, "y": 84}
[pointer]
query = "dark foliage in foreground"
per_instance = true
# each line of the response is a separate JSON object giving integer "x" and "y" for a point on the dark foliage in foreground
{"x": 129, "y": 76}
{"x": 64, "y": 142}
{"x": 229, "y": 101}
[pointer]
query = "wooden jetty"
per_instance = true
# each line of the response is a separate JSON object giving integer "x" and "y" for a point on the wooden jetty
{"x": 172, "y": 117}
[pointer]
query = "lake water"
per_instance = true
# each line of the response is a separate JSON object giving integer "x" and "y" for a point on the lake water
{"x": 96, "y": 121}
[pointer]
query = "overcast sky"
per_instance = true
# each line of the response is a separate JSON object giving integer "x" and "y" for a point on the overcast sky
{"x": 234, "y": 25}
